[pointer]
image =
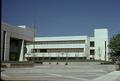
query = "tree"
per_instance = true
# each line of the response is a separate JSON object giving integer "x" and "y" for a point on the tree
{"x": 114, "y": 45}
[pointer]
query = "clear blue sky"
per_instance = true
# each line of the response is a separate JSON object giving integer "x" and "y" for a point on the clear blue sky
{"x": 63, "y": 17}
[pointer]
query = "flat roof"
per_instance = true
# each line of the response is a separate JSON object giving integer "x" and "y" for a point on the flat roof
{"x": 60, "y": 38}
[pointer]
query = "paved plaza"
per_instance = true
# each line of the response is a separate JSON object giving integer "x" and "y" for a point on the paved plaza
{"x": 74, "y": 71}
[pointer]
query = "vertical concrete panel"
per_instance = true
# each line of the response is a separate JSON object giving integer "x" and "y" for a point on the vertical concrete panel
{"x": 101, "y": 35}
{"x": 7, "y": 47}
{"x": 88, "y": 47}
{"x": 22, "y": 51}
{"x": 1, "y": 45}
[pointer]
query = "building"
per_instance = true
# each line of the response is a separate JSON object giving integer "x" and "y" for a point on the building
{"x": 69, "y": 47}
{"x": 18, "y": 43}
{"x": 13, "y": 40}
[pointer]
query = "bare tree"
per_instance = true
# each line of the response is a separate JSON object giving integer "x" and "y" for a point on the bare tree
{"x": 99, "y": 53}
{"x": 43, "y": 57}
{"x": 62, "y": 55}
{"x": 49, "y": 58}
{"x": 58, "y": 57}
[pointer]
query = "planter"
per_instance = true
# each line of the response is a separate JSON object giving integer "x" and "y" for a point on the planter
{"x": 117, "y": 67}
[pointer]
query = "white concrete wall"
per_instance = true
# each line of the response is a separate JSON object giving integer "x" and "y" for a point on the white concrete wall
{"x": 85, "y": 46}
{"x": 26, "y": 34}
{"x": 92, "y": 48}
{"x": 17, "y": 32}
{"x": 22, "y": 52}
{"x": 87, "y": 53}
{"x": 101, "y": 35}
{"x": 7, "y": 46}
{"x": 92, "y": 39}
{"x": 61, "y": 38}
{"x": 52, "y": 46}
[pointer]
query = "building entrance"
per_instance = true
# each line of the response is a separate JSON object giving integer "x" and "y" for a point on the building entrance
{"x": 15, "y": 47}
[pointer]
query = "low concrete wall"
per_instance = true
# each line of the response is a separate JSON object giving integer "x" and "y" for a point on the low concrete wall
{"x": 17, "y": 65}
{"x": 73, "y": 63}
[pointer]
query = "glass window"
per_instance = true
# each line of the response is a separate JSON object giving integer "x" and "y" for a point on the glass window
{"x": 92, "y": 52}
{"x": 91, "y": 43}
{"x": 43, "y": 50}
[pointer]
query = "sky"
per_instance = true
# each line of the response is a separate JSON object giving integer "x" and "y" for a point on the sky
{"x": 63, "y": 17}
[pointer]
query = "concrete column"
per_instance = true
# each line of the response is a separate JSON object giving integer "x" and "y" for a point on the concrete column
{"x": 87, "y": 50}
{"x": 22, "y": 51}
{"x": 7, "y": 47}
{"x": 1, "y": 45}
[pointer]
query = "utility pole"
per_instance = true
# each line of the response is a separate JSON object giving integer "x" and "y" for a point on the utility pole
{"x": 34, "y": 42}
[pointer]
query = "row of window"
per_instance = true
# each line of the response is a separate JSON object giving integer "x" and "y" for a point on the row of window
{"x": 92, "y": 51}
{"x": 38, "y": 59}
{"x": 56, "y": 50}
{"x": 63, "y": 42}
{"x": 60, "y": 42}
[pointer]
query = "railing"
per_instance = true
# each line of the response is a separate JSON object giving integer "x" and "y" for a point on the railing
{"x": 55, "y": 54}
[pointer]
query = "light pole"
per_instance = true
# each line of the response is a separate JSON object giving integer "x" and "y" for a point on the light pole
{"x": 34, "y": 41}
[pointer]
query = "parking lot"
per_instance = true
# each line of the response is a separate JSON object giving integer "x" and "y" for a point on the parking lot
{"x": 74, "y": 71}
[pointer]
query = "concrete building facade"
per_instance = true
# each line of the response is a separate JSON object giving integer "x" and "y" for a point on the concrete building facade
{"x": 18, "y": 44}
{"x": 69, "y": 47}
{"x": 13, "y": 40}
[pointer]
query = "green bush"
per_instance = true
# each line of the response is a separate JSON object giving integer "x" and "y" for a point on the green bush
{"x": 115, "y": 58}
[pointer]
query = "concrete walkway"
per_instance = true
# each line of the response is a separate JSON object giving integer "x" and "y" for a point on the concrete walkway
{"x": 77, "y": 71}
{"x": 113, "y": 76}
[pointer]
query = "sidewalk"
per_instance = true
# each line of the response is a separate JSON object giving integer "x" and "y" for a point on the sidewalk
{"x": 113, "y": 76}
